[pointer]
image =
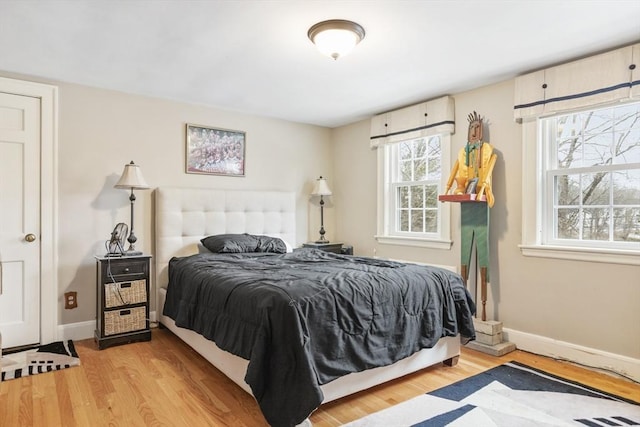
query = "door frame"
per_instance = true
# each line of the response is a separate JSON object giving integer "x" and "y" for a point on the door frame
{"x": 48, "y": 96}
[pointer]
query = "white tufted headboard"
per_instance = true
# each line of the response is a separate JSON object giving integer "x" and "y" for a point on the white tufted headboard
{"x": 186, "y": 215}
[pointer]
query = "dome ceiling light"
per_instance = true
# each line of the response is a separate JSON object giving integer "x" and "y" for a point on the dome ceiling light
{"x": 336, "y": 37}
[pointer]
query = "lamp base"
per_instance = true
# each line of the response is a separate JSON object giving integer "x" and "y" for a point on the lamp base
{"x": 131, "y": 250}
{"x": 322, "y": 241}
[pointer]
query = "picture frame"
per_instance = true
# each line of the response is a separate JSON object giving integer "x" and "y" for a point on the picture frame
{"x": 215, "y": 151}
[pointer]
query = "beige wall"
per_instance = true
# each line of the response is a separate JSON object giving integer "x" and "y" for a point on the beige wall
{"x": 101, "y": 130}
{"x": 594, "y": 305}
{"x": 587, "y": 304}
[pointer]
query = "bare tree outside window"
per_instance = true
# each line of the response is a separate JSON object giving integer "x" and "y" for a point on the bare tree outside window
{"x": 593, "y": 160}
{"x": 416, "y": 183}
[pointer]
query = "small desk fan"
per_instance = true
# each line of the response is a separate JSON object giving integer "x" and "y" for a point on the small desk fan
{"x": 115, "y": 245}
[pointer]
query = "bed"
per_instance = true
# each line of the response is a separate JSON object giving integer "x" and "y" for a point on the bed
{"x": 289, "y": 381}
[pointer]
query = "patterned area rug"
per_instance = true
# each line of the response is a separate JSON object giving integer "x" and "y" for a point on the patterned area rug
{"x": 509, "y": 395}
{"x": 45, "y": 358}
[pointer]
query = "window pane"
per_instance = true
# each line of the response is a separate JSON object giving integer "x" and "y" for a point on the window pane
{"x": 567, "y": 190}
{"x": 595, "y": 225}
{"x": 570, "y": 153}
{"x": 626, "y": 115}
{"x": 597, "y": 121}
{"x": 417, "y": 222}
{"x": 627, "y": 146}
{"x": 403, "y": 196}
{"x": 431, "y": 193}
{"x": 404, "y": 220}
{"x": 405, "y": 150}
{"x": 434, "y": 169}
{"x": 626, "y": 187}
{"x": 417, "y": 196}
{"x": 568, "y": 127}
{"x": 420, "y": 170}
{"x": 626, "y": 225}
{"x": 568, "y": 223}
{"x": 405, "y": 171}
{"x": 627, "y": 136}
{"x": 420, "y": 148}
{"x": 597, "y": 149}
{"x": 595, "y": 188}
{"x": 434, "y": 146}
{"x": 431, "y": 221}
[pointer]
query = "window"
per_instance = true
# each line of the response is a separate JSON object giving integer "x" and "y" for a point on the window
{"x": 412, "y": 180}
{"x": 581, "y": 158}
{"x": 592, "y": 178}
{"x": 415, "y": 177}
{"x": 589, "y": 171}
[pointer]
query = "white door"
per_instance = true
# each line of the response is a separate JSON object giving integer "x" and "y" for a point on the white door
{"x": 19, "y": 220}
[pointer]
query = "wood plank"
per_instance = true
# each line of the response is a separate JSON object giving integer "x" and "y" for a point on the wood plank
{"x": 164, "y": 382}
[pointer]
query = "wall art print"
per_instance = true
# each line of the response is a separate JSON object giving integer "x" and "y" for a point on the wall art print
{"x": 215, "y": 151}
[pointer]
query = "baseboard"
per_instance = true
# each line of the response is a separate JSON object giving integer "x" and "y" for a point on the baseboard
{"x": 76, "y": 331}
{"x": 84, "y": 330}
{"x": 623, "y": 365}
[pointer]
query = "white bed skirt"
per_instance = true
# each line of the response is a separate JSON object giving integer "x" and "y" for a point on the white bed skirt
{"x": 235, "y": 367}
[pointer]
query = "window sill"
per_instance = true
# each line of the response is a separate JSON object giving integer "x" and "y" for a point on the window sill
{"x": 415, "y": 241}
{"x": 609, "y": 256}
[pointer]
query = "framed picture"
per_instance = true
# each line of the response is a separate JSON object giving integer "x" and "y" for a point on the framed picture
{"x": 215, "y": 151}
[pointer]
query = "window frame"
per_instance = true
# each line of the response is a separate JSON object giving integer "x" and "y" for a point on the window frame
{"x": 386, "y": 215}
{"x": 538, "y": 220}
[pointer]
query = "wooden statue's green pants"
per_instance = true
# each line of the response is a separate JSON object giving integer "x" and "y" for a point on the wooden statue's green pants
{"x": 474, "y": 217}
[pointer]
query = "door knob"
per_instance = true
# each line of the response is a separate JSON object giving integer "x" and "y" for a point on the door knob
{"x": 30, "y": 237}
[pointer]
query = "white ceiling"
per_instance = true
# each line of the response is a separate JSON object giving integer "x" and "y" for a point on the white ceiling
{"x": 254, "y": 56}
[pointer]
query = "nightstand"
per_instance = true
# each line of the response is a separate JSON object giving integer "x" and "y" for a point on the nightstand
{"x": 337, "y": 248}
{"x": 122, "y": 308}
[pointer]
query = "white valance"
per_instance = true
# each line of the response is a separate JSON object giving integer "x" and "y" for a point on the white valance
{"x": 417, "y": 121}
{"x": 599, "y": 79}
{"x": 635, "y": 72}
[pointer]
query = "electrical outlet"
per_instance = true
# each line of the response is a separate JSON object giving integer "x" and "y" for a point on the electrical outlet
{"x": 70, "y": 300}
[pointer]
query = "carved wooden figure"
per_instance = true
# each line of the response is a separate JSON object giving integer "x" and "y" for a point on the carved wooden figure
{"x": 472, "y": 173}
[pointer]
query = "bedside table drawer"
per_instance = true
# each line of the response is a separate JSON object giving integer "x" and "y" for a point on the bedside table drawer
{"x": 125, "y": 293}
{"x": 116, "y": 268}
{"x": 127, "y": 320}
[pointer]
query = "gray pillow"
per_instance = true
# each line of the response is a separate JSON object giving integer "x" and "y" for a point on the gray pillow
{"x": 240, "y": 243}
{"x": 271, "y": 244}
{"x": 230, "y": 243}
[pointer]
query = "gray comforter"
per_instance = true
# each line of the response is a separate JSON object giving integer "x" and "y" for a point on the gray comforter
{"x": 306, "y": 318}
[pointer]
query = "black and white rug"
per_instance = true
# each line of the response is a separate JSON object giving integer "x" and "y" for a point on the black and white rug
{"x": 510, "y": 395}
{"x": 45, "y": 358}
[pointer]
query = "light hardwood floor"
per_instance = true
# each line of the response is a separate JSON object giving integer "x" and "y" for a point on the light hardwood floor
{"x": 165, "y": 383}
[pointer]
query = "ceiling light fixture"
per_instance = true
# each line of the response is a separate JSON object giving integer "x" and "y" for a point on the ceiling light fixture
{"x": 336, "y": 37}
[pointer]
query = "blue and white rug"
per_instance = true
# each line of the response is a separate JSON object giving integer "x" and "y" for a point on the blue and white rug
{"x": 510, "y": 395}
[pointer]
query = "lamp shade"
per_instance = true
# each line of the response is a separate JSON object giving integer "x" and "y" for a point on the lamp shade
{"x": 132, "y": 178}
{"x": 336, "y": 37}
{"x": 321, "y": 188}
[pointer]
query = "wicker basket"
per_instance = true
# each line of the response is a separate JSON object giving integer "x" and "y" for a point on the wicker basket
{"x": 120, "y": 321}
{"x": 125, "y": 293}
